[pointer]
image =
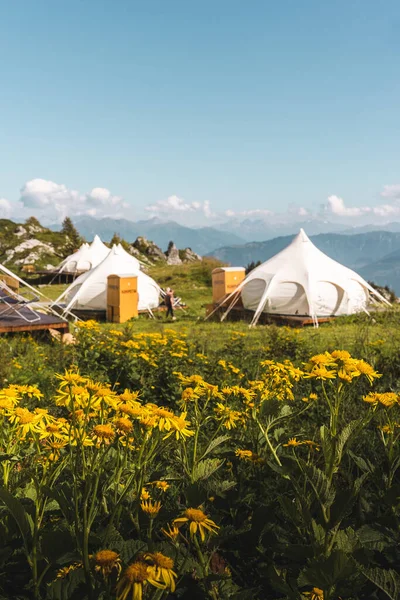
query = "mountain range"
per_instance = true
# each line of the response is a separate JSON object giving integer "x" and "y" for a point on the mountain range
{"x": 206, "y": 239}
{"x": 160, "y": 232}
{"x": 372, "y": 250}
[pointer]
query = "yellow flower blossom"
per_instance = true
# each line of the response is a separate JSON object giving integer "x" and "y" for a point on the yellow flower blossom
{"x": 315, "y": 594}
{"x": 387, "y": 399}
{"x": 150, "y": 508}
{"x": 123, "y": 424}
{"x": 135, "y": 579}
{"x": 162, "y": 567}
{"x": 230, "y": 418}
{"x": 198, "y": 522}
{"x": 106, "y": 561}
{"x": 144, "y": 494}
{"x": 172, "y": 532}
{"x": 104, "y": 433}
{"x": 366, "y": 369}
{"x": 27, "y": 421}
{"x": 320, "y": 373}
{"x": 162, "y": 485}
{"x": 70, "y": 378}
{"x": 292, "y": 443}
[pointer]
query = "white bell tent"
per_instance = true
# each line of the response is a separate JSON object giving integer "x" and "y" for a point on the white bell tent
{"x": 89, "y": 290}
{"x": 126, "y": 254}
{"x": 302, "y": 280}
{"x": 86, "y": 258}
{"x": 74, "y": 262}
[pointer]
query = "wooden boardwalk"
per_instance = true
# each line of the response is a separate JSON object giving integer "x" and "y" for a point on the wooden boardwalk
{"x": 11, "y": 322}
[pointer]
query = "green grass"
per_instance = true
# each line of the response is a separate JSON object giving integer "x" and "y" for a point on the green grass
{"x": 192, "y": 282}
{"x": 52, "y": 291}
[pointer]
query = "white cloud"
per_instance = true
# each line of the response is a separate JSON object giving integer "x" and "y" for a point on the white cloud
{"x": 5, "y": 208}
{"x": 391, "y": 191}
{"x": 299, "y": 211}
{"x": 55, "y": 201}
{"x": 174, "y": 204}
{"x": 337, "y": 207}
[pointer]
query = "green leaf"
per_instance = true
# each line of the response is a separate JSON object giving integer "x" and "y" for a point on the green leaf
{"x": 327, "y": 572}
{"x": 386, "y": 580}
{"x": 277, "y": 580}
{"x": 346, "y": 540}
{"x": 22, "y": 518}
{"x": 205, "y": 468}
{"x": 326, "y": 444}
{"x": 323, "y": 490}
{"x": 215, "y": 443}
{"x": 343, "y": 438}
{"x": 63, "y": 496}
{"x": 220, "y": 487}
{"x": 270, "y": 408}
{"x": 319, "y": 532}
{"x": 12, "y": 457}
{"x": 128, "y": 549}
{"x": 364, "y": 465}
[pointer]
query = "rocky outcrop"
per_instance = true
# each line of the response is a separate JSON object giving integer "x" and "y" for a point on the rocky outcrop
{"x": 29, "y": 252}
{"x": 20, "y": 231}
{"x": 172, "y": 255}
{"x": 22, "y": 245}
{"x": 187, "y": 255}
{"x": 148, "y": 249}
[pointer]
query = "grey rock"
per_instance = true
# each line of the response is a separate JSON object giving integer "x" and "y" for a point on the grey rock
{"x": 187, "y": 255}
{"x": 172, "y": 255}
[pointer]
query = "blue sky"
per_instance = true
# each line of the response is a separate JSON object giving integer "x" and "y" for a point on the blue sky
{"x": 199, "y": 110}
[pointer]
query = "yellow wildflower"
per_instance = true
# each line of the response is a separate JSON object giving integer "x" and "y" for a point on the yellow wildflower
{"x": 320, "y": 373}
{"x": 198, "y": 521}
{"x": 315, "y": 594}
{"x": 144, "y": 494}
{"x": 366, "y": 369}
{"x": 106, "y": 561}
{"x": 150, "y": 508}
{"x": 26, "y": 421}
{"x": 134, "y": 580}
{"x": 123, "y": 424}
{"x": 172, "y": 532}
{"x": 162, "y": 567}
{"x": 162, "y": 485}
{"x": 70, "y": 378}
{"x": 292, "y": 443}
{"x": 104, "y": 433}
{"x": 230, "y": 418}
{"x": 64, "y": 571}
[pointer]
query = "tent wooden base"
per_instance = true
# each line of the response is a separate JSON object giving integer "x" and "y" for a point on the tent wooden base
{"x": 239, "y": 313}
{"x": 10, "y": 322}
{"x": 101, "y": 315}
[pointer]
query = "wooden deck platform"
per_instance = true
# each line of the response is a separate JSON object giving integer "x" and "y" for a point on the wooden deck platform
{"x": 11, "y": 322}
{"x": 239, "y": 313}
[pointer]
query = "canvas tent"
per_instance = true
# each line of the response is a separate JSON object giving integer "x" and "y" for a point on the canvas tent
{"x": 302, "y": 280}
{"x": 89, "y": 290}
{"x": 84, "y": 259}
{"x": 73, "y": 262}
{"x": 126, "y": 254}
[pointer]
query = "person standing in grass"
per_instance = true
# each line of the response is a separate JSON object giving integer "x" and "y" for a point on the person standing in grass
{"x": 169, "y": 303}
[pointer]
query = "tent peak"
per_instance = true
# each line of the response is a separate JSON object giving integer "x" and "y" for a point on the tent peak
{"x": 302, "y": 236}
